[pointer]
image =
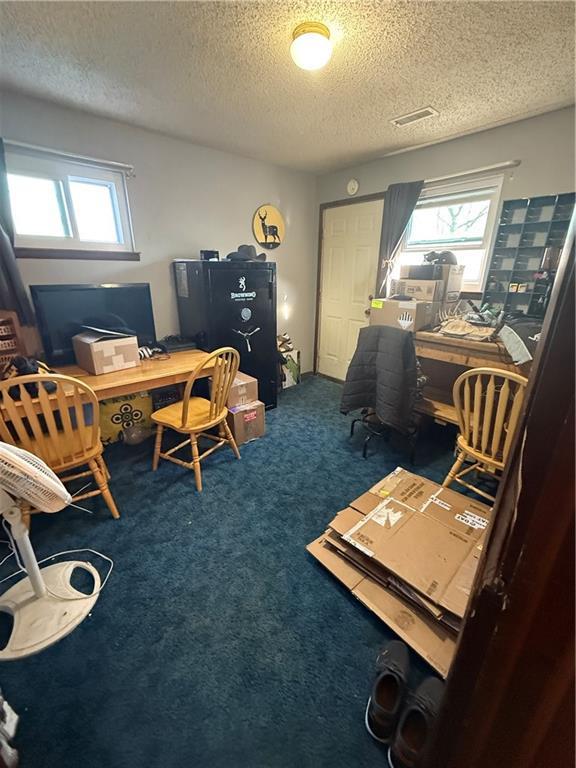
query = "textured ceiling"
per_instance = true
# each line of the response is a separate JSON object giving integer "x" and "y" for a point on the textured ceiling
{"x": 220, "y": 73}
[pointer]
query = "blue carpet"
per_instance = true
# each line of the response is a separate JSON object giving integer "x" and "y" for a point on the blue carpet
{"x": 218, "y": 641}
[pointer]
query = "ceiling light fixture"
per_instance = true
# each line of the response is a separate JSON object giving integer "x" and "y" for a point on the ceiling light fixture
{"x": 311, "y": 46}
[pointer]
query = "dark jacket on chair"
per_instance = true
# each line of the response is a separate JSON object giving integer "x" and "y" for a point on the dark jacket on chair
{"x": 383, "y": 375}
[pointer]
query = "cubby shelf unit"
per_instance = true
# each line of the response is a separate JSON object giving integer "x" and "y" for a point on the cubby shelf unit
{"x": 528, "y": 226}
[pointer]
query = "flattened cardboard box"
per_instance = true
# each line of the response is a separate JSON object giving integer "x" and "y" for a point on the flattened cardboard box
{"x": 425, "y": 635}
{"x": 101, "y": 351}
{"x": 389, "y": 581}
{"x": 247, "y": 422}
{"x": 428, "y": 536}
{"x": 244, "y": 390}
{"x": 348, "y": 518}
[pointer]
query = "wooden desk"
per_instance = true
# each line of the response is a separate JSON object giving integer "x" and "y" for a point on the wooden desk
{"x": 444, "y": 358}
{"x": 149, "y": 375}
{"x": 470, "y": 354}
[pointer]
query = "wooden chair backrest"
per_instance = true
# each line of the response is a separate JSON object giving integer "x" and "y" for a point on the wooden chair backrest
{"x": 59, "y": 427}
{"x": 488, "y": 403}
{"x": 224, "y": 363}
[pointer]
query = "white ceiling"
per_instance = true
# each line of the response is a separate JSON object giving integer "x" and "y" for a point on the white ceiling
{"x": 220, "y": 73}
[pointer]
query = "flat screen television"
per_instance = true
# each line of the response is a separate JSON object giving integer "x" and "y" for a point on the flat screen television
{"x": 62, "y": 310}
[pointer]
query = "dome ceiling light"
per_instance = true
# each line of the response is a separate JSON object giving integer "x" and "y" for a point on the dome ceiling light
{"x": 311, "y": 46}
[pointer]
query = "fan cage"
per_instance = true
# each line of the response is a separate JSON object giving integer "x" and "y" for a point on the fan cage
{"x": 27, "y": 477}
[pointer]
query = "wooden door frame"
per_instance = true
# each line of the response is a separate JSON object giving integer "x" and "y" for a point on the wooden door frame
{"x": 509, "y": 699}
{"x": 323, "y": 207}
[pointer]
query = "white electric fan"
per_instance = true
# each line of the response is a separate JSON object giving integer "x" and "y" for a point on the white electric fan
{"x": 45, "y": 606}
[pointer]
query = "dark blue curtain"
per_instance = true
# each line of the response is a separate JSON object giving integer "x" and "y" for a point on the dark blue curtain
{"x": 13, "y": 294}
{"x": 399, "y": 203}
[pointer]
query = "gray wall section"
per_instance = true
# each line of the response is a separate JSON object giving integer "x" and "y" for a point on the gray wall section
{"x": 183, "y": 198}
{"x": 544, "y": 144}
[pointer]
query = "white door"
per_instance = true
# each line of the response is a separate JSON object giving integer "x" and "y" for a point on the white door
{"x": 350, "y": 248}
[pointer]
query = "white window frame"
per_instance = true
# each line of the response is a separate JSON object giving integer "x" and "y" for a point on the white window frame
{"x": 459, "y": 192}
{"x": 63, "y": 168}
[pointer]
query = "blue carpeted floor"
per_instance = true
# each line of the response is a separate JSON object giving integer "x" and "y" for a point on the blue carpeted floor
{"x": 218, "y": 641}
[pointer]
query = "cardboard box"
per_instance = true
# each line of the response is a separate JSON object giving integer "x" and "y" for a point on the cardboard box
{"x": 424, "y": 634}
{"x": 408, "y": 315}
{"x": 423, "y": 290}
{"x": 101, "y": 351}
{"x": 244, "y": 390}
{"x": 422, "y": 272}
{"x": 291, "y": 368}
{"x": 247, "y": 421}
{"x": 453, "y": 282}
{"x": 451, "y": 275}
{"x": 408, "y": 549}
{"x": 384, "y": 577}
{"x": 428, "y": 536}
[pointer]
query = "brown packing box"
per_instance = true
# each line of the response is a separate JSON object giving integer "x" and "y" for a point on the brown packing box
{"x": 408, "y": 315}
{"x": 428, "y": 536}
{"x": 247, "y": 421}
{"x": 451, "y": 275}
{"x": 432, "y": 641}
{"x": 408, "y": 549}
{"x": 349, "y": 517}
{"x": 365, "y": 503}
{"x": 100, "y": 351}
{"x": 422, "y": 290}
{"x": 244, "y": 390}
{"x": 388, "y": 580}
{"x": 424, "y": 634}
{"x": 408, "y": 488}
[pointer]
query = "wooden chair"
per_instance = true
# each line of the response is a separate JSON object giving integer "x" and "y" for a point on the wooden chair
{"x": 61, "y": 427}
{"x": 193, "y": 416}
{"x": 488, "y": 403}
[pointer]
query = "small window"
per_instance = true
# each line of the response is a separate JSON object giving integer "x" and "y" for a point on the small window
{"x": 37, "y": 206}
{"x": 456, "y": 217}
{"x": 96, "y": 209}
{"x": 59, "y": 202}
{"x": 449, "y": 223}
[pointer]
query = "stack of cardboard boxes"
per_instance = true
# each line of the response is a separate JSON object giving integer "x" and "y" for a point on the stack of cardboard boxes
{"x": 408, "y": 550}
{"x": 428, "y": 288}
{"x": 245, "y": 412}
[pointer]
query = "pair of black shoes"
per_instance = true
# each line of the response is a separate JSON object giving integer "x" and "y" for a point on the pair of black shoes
{"x": 396, "y": 717}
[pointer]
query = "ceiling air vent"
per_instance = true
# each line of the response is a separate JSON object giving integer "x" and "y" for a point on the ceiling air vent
{"x": 413, "y": 117}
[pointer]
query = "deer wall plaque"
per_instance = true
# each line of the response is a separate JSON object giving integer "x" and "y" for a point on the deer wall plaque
{"x": 268, "y": 226}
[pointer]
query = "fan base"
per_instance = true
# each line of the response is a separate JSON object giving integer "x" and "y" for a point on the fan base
{"x": 41, "y": 621}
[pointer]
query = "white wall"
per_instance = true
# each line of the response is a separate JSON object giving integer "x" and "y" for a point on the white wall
{"x": 544, "y": 144}
{"x": 184, "y": 198}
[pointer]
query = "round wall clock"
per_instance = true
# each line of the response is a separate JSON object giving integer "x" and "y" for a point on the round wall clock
{"x": 352, "y": 186}
{"x": 268, "y": 226}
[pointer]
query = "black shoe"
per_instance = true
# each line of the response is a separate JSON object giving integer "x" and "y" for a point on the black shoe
{"x": 415, "y": 726}
{"x": 384, "y": 705}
